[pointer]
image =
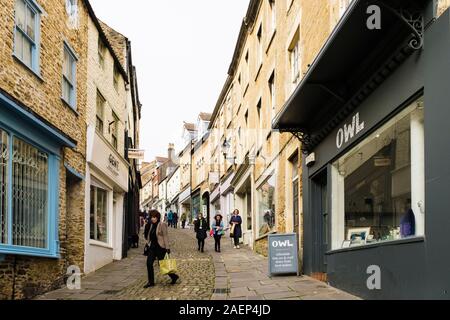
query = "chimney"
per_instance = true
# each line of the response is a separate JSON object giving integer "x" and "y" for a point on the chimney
{"x": 171, "y": 152}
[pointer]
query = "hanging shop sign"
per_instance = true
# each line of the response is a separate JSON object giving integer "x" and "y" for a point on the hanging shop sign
{"x": 136, "y": 154}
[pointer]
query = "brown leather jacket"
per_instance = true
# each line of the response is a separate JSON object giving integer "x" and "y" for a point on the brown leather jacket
{"x": 161, "y": 233}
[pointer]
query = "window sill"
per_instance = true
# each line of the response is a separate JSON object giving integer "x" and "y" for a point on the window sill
{"x": 70, "y": 107}
{"x": 34, "y": 72}
{"x": 378, "y": 244}
{"x": 31, "y": 252}
{"x": 274, "y": 32}
{"x": 265, "y": 236}
{"x": 100, "y": 244}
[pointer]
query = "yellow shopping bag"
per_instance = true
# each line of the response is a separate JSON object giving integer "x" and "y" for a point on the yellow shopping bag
{"x": 167, "y": 266}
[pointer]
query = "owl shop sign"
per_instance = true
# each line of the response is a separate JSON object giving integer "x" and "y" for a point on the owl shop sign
{"x": 349, "y": 131}
{"x": 283, "y": 254}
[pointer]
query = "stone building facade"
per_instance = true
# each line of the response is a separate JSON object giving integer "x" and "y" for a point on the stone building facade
{"x": 260, "y": 169}
{"x": 107, "y": 171}
{"x": 38, "y": 37}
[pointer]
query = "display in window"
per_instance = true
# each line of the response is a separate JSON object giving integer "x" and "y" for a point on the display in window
{"x": 99, "y": 215}
{"x": 266, "y": 196}
{"x": 374, "y": 184}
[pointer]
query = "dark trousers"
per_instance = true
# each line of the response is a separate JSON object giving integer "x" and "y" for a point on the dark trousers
{"x": 236, "y": 240}
{"x": 201, "y": 244}
{"x": 217, "y": 242}
{"x": 175, "y": 223}
{"x": 158, "y": 253}
{"x": 183, "y": 223}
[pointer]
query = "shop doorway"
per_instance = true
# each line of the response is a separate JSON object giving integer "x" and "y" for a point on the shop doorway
{"x": 321, "y": 221}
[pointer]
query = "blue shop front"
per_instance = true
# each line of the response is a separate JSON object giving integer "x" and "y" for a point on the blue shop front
{"x": 30, "y": 159}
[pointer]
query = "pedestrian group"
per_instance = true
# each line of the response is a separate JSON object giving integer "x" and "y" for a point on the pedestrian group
{"x": 157, "y": 237}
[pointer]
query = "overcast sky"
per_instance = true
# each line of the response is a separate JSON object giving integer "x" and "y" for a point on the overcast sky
{"x": 182, "y": 50}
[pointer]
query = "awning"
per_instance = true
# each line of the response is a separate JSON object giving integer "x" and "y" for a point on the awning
{"x": 354, "y": 61}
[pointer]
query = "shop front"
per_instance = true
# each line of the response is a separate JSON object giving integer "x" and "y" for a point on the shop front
{"x": 376, "y": 175}
{"x": 184, "y": 203}
{"x": 106, "y": 186}
{"x": 243, "y": 198}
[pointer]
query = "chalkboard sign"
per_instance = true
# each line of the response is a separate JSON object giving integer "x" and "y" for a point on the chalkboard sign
{"x": 283, "y": 254}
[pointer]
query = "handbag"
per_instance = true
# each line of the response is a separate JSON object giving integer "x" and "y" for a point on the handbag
{"x": 232, "y": 231}
{"x": 167, "y": 266}
{"x": 211, "y": 233}
{"x": 146, "y": 250}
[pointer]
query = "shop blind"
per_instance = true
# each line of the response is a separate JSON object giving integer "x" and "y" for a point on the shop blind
{"x": 29, "y": 196}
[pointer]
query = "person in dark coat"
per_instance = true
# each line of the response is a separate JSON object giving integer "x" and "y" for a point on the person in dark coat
{"x": 175, "y": 220}
{"x": 201, "y": 228}
{"x": 156, "y": 234}
{"x": 236, "y": 220}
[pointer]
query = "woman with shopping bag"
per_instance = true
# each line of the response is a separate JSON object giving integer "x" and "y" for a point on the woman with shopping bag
{"x": 156, "y": 234}
{"x": 236, "y": 231}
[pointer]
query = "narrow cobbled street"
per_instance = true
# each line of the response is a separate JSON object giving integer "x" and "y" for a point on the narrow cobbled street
{"x": 229, "y": 275}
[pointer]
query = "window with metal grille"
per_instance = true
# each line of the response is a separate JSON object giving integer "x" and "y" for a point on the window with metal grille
{"x": 24, "y": 194}
{"x": 4, "y": 186}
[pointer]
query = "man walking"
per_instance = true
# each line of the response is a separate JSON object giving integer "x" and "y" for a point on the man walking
{"x": 175, "y": 220}
{"x": 170, "y": 218}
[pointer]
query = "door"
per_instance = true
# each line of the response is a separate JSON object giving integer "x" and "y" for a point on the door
{"x": 321, "y": 224}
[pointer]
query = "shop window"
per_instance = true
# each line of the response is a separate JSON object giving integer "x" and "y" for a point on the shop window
{"x": 378, "y": 186}
{"x": 26, "y": 33}
{"x": 266, "y": 207}
{"x": 99, "y": 214}
{"x": 27, "y": 208}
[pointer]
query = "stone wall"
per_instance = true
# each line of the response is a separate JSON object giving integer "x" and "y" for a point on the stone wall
{"x": 20, "y": 276}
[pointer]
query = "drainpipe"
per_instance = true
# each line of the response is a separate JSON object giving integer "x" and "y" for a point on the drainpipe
{"x": 253, "y": 204}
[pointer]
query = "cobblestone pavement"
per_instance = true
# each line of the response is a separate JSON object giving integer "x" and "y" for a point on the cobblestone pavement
{"x": 234, "y": 274}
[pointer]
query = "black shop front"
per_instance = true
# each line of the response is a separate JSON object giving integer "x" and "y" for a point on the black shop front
{"x": 372, "y": 115}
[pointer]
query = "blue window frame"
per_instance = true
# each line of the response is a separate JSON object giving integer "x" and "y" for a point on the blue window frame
{"x": 27, "y": 33}
{"x": 69, "y": 77}
{"x": 29, "y": 183}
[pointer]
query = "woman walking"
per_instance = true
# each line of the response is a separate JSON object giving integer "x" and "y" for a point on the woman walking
{"x": 236, "y": 222}
{"x": 201, "y": 228}
{"x": 217, "y": 227}
{"x": 157, "y": 238}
